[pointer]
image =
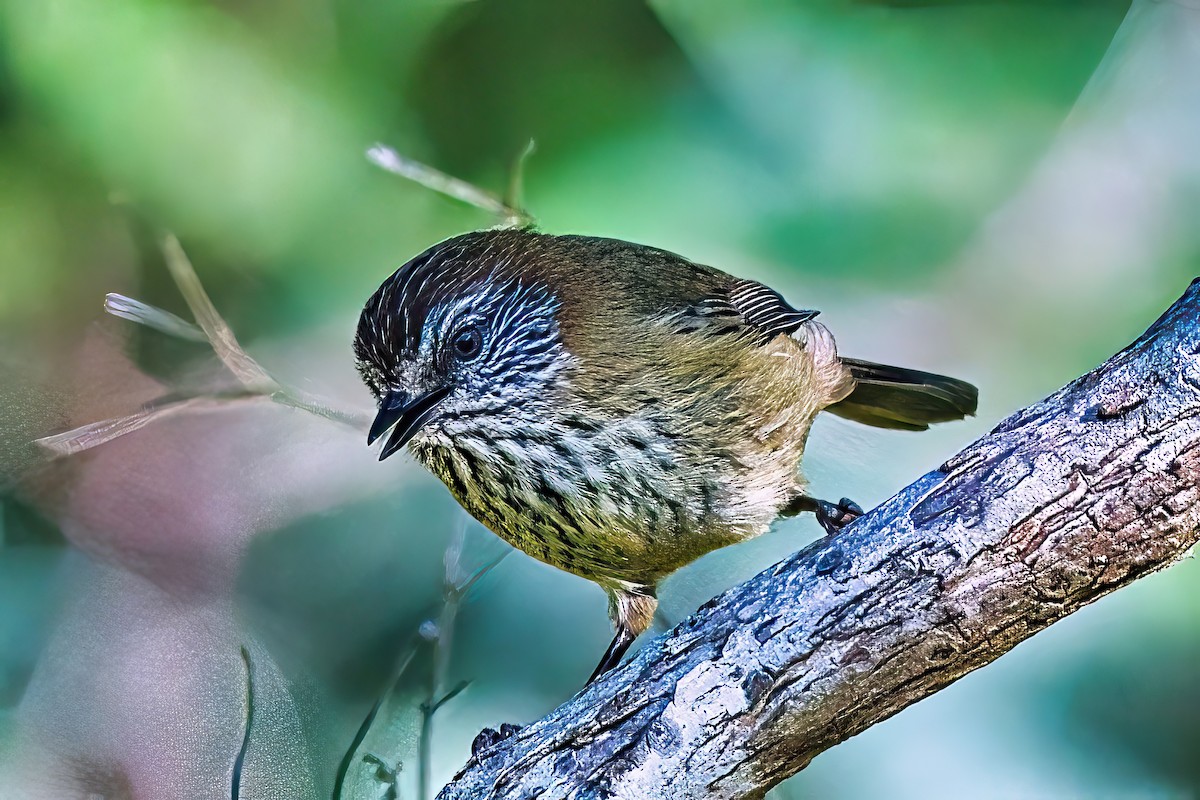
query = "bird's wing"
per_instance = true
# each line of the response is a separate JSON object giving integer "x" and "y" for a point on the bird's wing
{"x": 741, "y": 307}
{"x": 684, "y": 295}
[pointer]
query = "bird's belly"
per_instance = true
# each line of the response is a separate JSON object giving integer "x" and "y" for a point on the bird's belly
{"x": 605, "y": 510}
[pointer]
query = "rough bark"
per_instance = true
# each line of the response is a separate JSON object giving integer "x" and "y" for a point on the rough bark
{"x": 1060, "y": 504}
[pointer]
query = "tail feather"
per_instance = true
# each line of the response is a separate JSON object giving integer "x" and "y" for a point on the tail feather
{"x": 904, "y": 399}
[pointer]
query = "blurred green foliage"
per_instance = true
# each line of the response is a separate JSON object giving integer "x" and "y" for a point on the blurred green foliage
{"x": 848, "y": 152}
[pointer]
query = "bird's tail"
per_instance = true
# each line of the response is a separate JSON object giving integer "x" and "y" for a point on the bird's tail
{"x": 904, "y": 399}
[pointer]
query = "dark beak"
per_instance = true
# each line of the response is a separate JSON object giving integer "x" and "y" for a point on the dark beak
{"x": 403, "y": 417}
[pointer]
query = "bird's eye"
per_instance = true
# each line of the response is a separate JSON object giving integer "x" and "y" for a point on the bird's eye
{"x": 467, "y": 343}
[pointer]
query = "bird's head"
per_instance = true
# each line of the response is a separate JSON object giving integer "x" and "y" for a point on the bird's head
{"x": 460, "y": 339}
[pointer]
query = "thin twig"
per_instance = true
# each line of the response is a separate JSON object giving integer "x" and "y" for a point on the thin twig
{"x": 152, "y": 317}
{"x": 387, "y": 158}
{"x": 441, "y": 635}
{"x": 514, "y": 195}
{"x": 219, "y": 334}
{"x": 456, "y": 585}
{"x": 213, "y": 329}
{"x": 450, "y": 695}
{"x": 365, "y": 727}
{"x": 239, "y": 762}
{"x": 465, "y": 586}
{"x": 314, "y": 404}
{"x": 95, "y": 434}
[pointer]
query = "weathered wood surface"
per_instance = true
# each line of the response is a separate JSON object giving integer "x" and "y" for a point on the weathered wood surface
{"x": 1060, "y": 504}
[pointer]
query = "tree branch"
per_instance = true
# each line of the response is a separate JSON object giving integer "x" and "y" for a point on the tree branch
{"x": 1062, "y": 503}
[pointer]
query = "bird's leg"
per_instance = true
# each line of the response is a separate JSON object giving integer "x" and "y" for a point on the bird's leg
{"x": 632, "y": 611}
{"x": 831, "y": 517}
{"x": 612, "y": 656}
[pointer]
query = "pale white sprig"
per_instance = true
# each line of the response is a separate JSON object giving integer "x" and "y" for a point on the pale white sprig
{"x": 216, "y": 330}
{"x": 152, "y": 317}
{"x": 210, "y": 327}
{"x": 94, "y": 434}
{"x": 507, "y": 208}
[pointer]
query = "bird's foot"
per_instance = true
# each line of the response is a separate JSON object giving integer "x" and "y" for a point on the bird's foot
{"x": 835, "y": 517}
{"x": 490, "y": 737}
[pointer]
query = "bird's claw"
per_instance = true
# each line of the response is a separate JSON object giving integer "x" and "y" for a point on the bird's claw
{"x": 490, "y": 737}
{"x": 835, "y": 517}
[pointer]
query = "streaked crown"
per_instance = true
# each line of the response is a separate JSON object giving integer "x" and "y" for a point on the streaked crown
{"x": 461, "y": 333}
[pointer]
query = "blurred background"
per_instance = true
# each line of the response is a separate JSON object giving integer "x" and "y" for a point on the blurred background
{"x": 1000, "y": 190}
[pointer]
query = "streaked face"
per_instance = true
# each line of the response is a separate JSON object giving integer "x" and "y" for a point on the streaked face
{"x": 443, "y": 347}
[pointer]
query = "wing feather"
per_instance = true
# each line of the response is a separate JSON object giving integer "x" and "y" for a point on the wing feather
{"x": 743, "y": 307}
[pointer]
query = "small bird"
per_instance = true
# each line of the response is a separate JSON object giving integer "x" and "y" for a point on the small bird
{"x": 615, "y": 410}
